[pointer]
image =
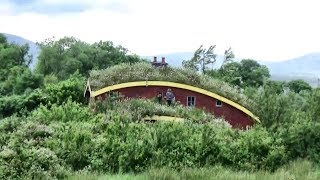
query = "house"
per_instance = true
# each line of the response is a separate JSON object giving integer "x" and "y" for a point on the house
{"x": 187, "y": 94}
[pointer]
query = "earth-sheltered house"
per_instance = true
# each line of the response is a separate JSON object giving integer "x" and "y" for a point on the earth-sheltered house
{"x": 145, "y": 80}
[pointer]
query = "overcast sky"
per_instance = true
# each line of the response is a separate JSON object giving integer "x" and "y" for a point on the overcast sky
{"x": 271, "y": 30}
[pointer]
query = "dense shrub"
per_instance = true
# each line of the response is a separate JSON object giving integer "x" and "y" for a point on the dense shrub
{"x": 57, "y": 140}
{"x": 50, "y": 94}
{"x": 137, "y": 109}
{"x": 292, "y": 118}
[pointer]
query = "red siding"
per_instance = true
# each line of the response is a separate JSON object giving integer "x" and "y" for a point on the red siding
{"x": 234, "y": 116}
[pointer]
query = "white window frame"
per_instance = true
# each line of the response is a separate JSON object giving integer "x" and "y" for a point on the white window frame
{"x": 194, "y": 102}
{"x": 219, "y": 105}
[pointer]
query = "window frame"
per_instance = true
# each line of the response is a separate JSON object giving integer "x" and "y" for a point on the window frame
{"x": 219, "y": 104}
{"x": 194, "y": 101}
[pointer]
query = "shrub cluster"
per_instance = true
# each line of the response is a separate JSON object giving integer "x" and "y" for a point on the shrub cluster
{"x": 57, "y": 140}
{"x": 137, "y": 109}
{"x": 50, "y": 94}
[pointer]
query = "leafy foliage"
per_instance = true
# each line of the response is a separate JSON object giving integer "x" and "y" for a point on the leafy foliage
{"x": 247, "y": 73}
{"x": 299, "y": 85}
{"x": 201, "y": 59}
{"x": 65, "y": 56}
{"x": 46, "y": 131}
{"x": 50, "y": 94}
{"x": 15, "y": 76}
{"x": 52, "y": 136}
{"x": 137, "y": 109}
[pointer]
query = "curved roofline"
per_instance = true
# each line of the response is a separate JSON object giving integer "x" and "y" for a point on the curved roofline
{"x": 176, "y": 85}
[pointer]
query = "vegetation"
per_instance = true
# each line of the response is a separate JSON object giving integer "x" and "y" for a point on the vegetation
{"x": 145, "y": 71}
{"x": 51, "y": 138}
{"x": 59, "y": 93}
{"x": 15, "y": 76}
{"x": 68, "y": 55}
{"x": 299, "y": 85}
{"x": 48, "y": 131}
{"x": 296, "y": 170}
{"x": 246, "y": 73}
{"x": 201, "y": 59}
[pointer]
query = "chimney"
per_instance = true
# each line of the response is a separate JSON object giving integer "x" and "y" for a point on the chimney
{"x": 155, "y": 59}
{"x": 163, "y": 60}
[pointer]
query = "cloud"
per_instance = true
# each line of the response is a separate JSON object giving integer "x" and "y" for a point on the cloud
{"x": 53, "y": 7}
{"x": 262, "y": 30}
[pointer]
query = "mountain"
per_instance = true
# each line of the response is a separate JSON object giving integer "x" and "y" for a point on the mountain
{"x": 34, "y": 49}
{"x": 307, "y": 64}
{"x": 306, "y": 67}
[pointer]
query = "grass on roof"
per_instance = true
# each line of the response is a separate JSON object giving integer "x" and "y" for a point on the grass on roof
{"x": 145, "y": 71}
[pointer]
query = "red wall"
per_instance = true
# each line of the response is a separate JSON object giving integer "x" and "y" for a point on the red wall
{"x": 234, "y": 116}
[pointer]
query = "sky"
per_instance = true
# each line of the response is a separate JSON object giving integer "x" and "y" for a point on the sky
{"x": 269, "y": 30}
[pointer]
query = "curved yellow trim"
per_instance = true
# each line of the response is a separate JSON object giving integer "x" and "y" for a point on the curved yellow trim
{"x": 164, "y": 118}
{"x": 176, "y": 85}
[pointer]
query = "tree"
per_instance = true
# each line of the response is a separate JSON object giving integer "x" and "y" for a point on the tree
{"x": 231, "y": 73}
{"x": 247, "y": 73}
{"x": 15, "y": 76}
{"x": 12, "y": 55}
{"x": 228, "y": 56}
{"x": 299, "y": 85}
{"x": 277, "y": 86}
{"x": 64, "y": 57}
{"x": 201, "y": 59}
{"x": 252, "y": 73}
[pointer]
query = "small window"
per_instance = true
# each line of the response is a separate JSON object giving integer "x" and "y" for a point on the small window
{"x": 219, "y": 103}
{"x": 191, "y": 101}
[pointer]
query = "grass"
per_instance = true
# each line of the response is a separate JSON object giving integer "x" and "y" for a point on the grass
{"x": 145, "y": 71}
{"x": 300, "y": 169}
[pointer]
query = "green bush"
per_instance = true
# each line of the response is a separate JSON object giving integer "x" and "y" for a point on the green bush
{"x": 56, "y": 140}
{"x": 136, "y": 109}
{"x": 51, "y": 94}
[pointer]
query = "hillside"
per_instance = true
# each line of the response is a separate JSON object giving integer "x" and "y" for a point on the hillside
{"x": 34, "y": 49}
{"x": 306, "y": 67}
{"x": 307, "y": 64}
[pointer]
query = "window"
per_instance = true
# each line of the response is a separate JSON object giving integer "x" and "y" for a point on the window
{"x": 191, "y": 101}
{"x": 219, "y": 103}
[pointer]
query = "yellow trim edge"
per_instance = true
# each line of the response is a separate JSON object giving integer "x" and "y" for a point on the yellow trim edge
{"x": 164, "y": 118}
{"x": 176, "y": 85}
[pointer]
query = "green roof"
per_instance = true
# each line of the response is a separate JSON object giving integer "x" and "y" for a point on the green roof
{"x": 145, "y": 71}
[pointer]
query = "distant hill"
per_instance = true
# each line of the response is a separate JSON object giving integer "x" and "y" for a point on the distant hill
{"x": 34, "y": 49}
{"x": 306, "y": 67}
{"x": 307, "y": 64}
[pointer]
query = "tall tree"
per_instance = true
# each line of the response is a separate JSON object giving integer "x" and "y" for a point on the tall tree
{"x": 201, "y": 59}
{"x": 15, "y": 76}
{"x": 299, "y": 85}
{"x": 64, "y": 57}
{"x": 247, "y": 73}
{"x": 252, "y": 73}
{"x": 228, "y": 56}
